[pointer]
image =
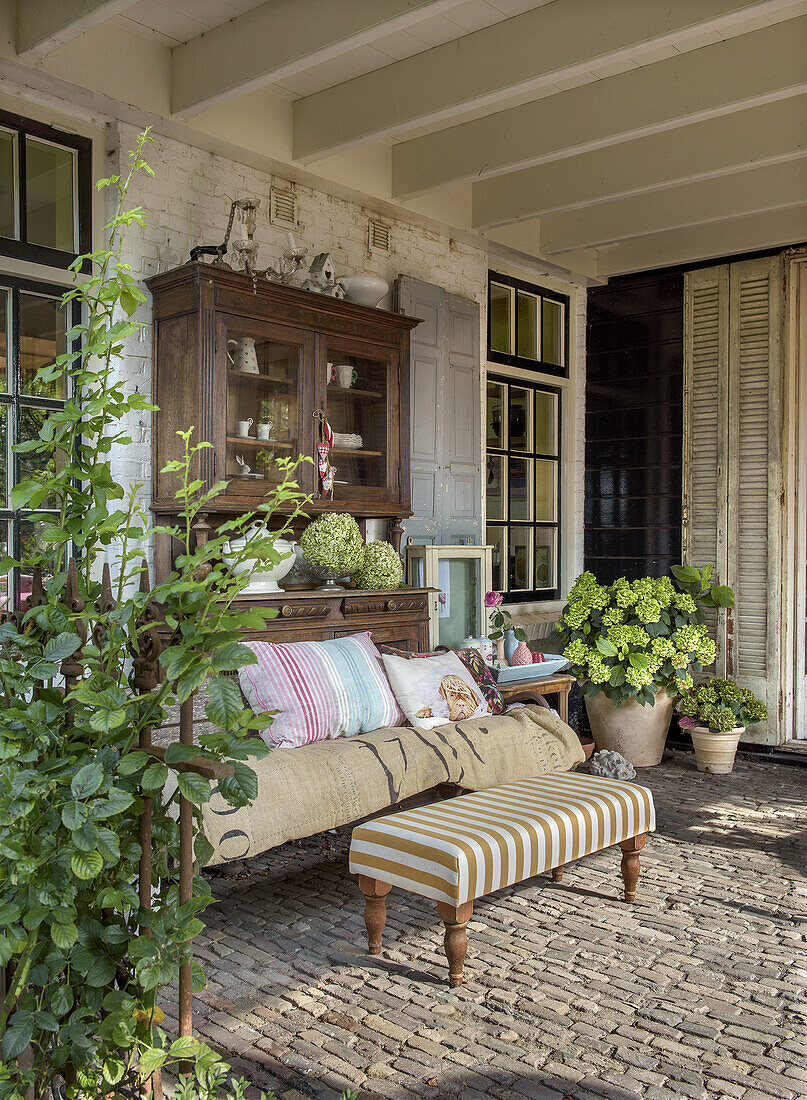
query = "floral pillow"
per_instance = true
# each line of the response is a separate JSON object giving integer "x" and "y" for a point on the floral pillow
{"x": 434, "y": 690}
{"x": 474, "y": 662}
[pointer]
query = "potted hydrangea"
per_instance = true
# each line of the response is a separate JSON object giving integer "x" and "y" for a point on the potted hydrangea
{"x": 381, "y": 567}
{"x": 634, "y": 645}
{"x": 333, "y": 545}
{"x": 716, "y": 713}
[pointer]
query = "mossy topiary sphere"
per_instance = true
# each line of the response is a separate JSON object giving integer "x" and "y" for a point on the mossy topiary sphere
{"x": 380, "y": 568}
{"x": 333, "y": 542}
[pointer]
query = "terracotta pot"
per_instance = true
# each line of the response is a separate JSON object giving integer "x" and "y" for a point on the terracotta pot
{"x": 587, "y": 745}
{"x": 637, "y": 732}
{"x": 714, "y": 752}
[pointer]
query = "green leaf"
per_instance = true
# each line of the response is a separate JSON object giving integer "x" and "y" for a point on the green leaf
{"x": 17, "y": 1036}
{"x": 155, "y": 776}
{"x": 132, "y": 762}
{"x": 113, "y": 1070}
{"x": 193, "y": 787}
{"x": 687, "y": 574}
{"x": 151, "y": 1059}
{"x": 64, "y": 935}
{"x": 607, "y": 648}
{"x": 63, "y": 645}
{"x": 640, "y": 660}
{"x": 100, "y": 973}
{"x": 723, "y": 595}
{"x": 61, "y": 1000}
{"x": 241, "y": 787}
{"x": 103, "y": 721}
{"x": 185, "y": 1047}
{"x": 86, "y": 865}
{"x": 177, "y": 753}
{"x": 198, "y": 979}
{"x": 231, "y": 657}
{"x": 74, "y": 814}
{"x": 225, "y": 703}
{"x": 87, "y": 780}
{"x": 45, "y": 1021}
{"x": 617, "y": 677}
{"x": 5, "y": 950}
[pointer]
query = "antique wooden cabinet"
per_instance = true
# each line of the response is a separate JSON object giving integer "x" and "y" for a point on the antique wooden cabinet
{"x": 250, "y": 365}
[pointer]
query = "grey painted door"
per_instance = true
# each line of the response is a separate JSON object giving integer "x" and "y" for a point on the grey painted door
{"x": 446, "y": 459}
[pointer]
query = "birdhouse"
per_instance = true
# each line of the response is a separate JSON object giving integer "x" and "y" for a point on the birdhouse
{"x": 322, "y": 270}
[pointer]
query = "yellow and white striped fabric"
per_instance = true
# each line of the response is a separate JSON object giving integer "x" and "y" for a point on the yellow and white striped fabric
{"x": 466, "y": 847}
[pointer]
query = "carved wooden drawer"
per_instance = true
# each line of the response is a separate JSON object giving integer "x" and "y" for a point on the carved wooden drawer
{"x": 380, "y": 605}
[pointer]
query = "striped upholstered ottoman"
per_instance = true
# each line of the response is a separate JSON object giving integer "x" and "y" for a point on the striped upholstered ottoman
{"x": 466, "y": 847}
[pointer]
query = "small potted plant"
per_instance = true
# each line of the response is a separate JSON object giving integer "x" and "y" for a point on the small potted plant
{"x": 716, "y": 714}
{"x": 634, "y": 645}
{"x": 332, "y": 547}
{"x": 503, "y": 632}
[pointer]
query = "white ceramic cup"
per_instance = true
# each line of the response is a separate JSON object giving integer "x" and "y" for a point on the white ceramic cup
{"x": 346, "y": 375}
{"x": 242, "y": 427}
{"x": 265, "y": 430}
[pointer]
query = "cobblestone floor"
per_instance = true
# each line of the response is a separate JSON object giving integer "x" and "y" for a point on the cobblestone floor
{"x": 696, "y": 990}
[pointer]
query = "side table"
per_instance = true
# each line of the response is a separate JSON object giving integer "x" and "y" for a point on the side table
{"x": 559, "y": 685}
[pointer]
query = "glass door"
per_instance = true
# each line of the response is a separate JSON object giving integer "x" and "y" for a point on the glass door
{"x": 264, "y": 399}
{"x": 359, "y": 407}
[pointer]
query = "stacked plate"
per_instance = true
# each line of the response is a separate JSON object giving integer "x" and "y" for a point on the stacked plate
{"x": 347, "y": 441}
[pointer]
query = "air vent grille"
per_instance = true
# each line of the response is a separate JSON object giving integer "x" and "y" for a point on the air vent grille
{"x": 283, "y": 208}
{"x": 378, "y": 238}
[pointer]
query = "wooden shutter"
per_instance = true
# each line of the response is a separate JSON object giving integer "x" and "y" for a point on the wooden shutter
{"x": 446, "y": 457}
{"x": 733, "y": 463}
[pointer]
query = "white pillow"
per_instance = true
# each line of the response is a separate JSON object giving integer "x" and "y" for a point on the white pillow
{"x": 432, "y": 691}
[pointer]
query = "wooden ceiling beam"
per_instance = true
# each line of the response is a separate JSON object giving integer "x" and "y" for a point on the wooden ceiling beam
{"x": 280, "y": 38}
{"x": 44, "y": 25}
{"x": 722, "y": 146}
{"x": 754, "y": 68}
{"x": 692, "y": 204}
{"x": 522, "y": 55}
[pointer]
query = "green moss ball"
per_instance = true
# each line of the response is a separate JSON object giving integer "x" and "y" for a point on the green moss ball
{"x": 380, "y": 568}
{"x": 333, "y": 542}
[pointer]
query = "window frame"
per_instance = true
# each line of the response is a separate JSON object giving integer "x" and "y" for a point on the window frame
{"x": 526, "y": 595}
{"x": 13, "y": 401}
{"x": 18, "y": 247}
{"x": 521, "y": 361}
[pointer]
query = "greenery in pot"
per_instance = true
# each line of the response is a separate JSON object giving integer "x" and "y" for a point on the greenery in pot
{"x": 720, "y": 706}
{"x": 333, "y": 542}
{"x": 630, "y": 639}
{"x": 84, "y": 961}
{"x": 381, "y": 567}
{"x": 500, "y": 620}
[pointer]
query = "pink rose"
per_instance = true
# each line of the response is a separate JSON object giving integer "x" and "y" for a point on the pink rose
{"x": 493, "y": 599}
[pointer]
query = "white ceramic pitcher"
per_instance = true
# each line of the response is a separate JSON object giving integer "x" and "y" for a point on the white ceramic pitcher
{"x": 245, "y": 357}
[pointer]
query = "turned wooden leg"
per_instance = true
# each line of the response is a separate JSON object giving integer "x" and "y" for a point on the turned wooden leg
{"x": 456, "y": 937}
{"x": 630, "y": 863}
{"x": 375, "y": 910}
{"x": 557, "y": 874}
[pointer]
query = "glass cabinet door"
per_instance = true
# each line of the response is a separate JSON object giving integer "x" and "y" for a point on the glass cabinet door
{"x": 262, "y": 425}
{"x": 357, "y": 400}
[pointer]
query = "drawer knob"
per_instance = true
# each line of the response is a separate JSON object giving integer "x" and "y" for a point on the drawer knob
{"x": 392, "y": 605}
{"x": 286, "y": 611}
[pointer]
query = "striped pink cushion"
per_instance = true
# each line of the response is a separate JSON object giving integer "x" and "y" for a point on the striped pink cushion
{"x": 321, "y": 690}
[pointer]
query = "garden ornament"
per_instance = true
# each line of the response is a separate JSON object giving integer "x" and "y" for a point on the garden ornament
{"x": 611, "y": 765}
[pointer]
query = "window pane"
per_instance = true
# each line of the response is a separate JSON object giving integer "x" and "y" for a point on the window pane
{"x": 496, "y": 487}
{"x": 552, "y": 332}
{"x": 497, "y": 538}
{"x": 546, "y": 423}
{"x": 546, "y": 494}
{"x": 5, "y": 380}
{"x": 520, "y": 560}
{"x": 527, "y": 325}
{"x": 32, "y": 553}
{"x": 42, "y": 329}
{"x": 8, "y": 185}
{"x": 31, "y": 464}
{"x": 501, "y": 338}
{"x": 520, "y": 419}
{"x": 519, "y": 476}
{"x": 546, "y": 554}
{"x": 5, "y": 551}
{"x": 496, "y": 415}
{"x": 50, "y": 195}
{"x": 459, "y": 615}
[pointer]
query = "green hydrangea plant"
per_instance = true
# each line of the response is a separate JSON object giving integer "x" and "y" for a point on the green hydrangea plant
{"x": 333, "y": 542}
{"x": 631, "y": 638}
{"x": 720, "y": 706}
{"x": 381, "y": 567}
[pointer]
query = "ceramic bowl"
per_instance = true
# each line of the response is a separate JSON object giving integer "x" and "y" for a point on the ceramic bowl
{"x": 260, "y": 581}
{"x": 367, "y": 290}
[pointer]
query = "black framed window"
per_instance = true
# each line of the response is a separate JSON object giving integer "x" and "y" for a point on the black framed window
{"x": 523, "y": 487}
{"x": 45, "y": 192}
{"x": 528, "y": 326}
{"x": 34, "y": 331}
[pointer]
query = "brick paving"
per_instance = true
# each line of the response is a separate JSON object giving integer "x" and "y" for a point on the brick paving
{"x": 696, "y": 990}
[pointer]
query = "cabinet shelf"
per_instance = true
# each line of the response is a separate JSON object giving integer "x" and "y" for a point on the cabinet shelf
{"x": 339, "y": 391}
{"x": 358, "y": 451}
{"x": 248, "y": 441}
{"x": 262, "y": 380}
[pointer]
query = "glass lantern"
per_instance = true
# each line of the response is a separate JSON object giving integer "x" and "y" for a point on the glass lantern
{"x": 461, "y": 575}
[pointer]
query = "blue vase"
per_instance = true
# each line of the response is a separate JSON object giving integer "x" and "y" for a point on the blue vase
{"x": 510, "y": 644}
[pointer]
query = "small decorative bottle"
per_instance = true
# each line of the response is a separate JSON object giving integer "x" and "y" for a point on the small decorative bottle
{"x": 522, "y": 655}
{"x": 509, "y": 645}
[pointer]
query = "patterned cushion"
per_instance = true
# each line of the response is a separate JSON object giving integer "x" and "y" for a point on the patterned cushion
{"x": 466, "y": 847}
{"x": 321, "y": 690}
{"x": 433, "y": 691}
{"x": 474, "y": 662}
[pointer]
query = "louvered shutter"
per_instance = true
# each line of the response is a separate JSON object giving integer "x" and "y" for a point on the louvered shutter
{"x": 706, "y": 430}
{"x": 733, "y": 463}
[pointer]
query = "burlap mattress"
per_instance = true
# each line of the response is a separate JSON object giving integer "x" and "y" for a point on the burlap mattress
{"x": 303, "y": 791}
